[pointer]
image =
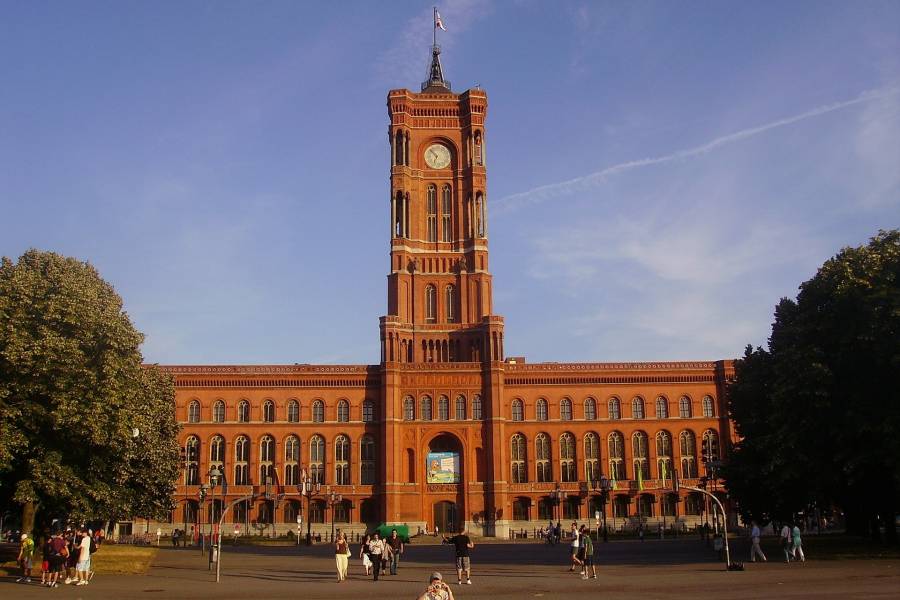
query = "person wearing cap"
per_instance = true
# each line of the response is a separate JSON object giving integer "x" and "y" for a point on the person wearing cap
{"x": 437, "y": 589}
{"x": 26, "y": 555}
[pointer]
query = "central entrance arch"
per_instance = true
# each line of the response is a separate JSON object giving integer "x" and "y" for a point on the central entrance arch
{"x": 446, "y": 518}
{"x": 444, "y": 496}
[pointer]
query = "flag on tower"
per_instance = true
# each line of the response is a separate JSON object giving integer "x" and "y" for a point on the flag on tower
{"x": 437, "y": 21}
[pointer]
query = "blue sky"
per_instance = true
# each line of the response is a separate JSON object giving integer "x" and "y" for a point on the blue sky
{"x": 660, "y": 173}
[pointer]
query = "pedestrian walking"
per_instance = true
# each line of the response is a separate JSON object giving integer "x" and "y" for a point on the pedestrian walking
{"x": 587, "y": 545}
{"x": 581, "y": 547}
{"x": 46, "y": 552}
{"x": 25, "y": 558}
{"x": 395, "y": 543}
{"x": 755, "y": 550}
{"x": 364, "y": 554}
{"x": 574, "y": 549}
{"x": 462, "y": 545}
{"x": 376, "y": 550}
{"x": 341, "y": 556}
{"x": 83, "y": 564}
{"x": 58, "y": 555}
{"x": 797, "y": 544}
{"x": 641, "y": 531}
{"x": 786, "y": 542}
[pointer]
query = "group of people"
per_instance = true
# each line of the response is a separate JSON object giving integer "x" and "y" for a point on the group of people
{"x": 66, "y": 557}
{"x": 791, "y": 543}
{"x": 582, "y": 551}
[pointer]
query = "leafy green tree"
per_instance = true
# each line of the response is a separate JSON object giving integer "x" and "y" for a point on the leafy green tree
{"x": 819, "y": 411}
{"x": 86, "y": 431}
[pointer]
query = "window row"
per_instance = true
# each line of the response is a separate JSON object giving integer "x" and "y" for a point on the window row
{"x": 451, "y": 310}
{"x": 637, "y": 465}
{"x": 613, "y": 409}
{"x": 291, "y": 413}
{"x": 621, "y": 507}
{"x": 426, "y": 409}
{"x": 267, "y": 464}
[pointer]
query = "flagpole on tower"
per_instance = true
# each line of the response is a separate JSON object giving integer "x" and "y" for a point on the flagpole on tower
{"x": 434, "y": 28}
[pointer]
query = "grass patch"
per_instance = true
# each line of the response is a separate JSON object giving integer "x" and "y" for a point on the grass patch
{"x": 110, "y": 559}
{"x": 837, "y": 547}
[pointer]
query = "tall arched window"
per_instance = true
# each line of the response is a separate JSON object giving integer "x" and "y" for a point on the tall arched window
{"x": 684, "y": 407}
{"x": 567, "y": 469}
{"x": 478, "y": 150}
{"x": 615, "y": 410}
{"x": 194, "y": 412}
{"x": 664, "y": 454}
{"x": 542, "y": 454}
{"x": 479, "y": 215}
{"x": 444, "y": 408}
{"x": 446, "y": 206}
{"x": 269, "y": 411}
{"x": 616, "y": 456}
{"x": 591, "y": 457}
{"x": 367, "y": 460}
{"x": 565, "y": 409}
{"x": 293, "y": 411}
{"x": 267, "y": 459}
{"x": 317, "y": 459}
{"x": 217, "y": 453}
{"x": 476, "y": 408}
{"x": 662, "y": 408}
{"x": 398, "y": 148}
{"x": 431, "y": 213}
{"x": 517, "y": 411}
{"x": 639, "y": 455}
{"x": 460, "y": 408}
{"x": 710, "y": 445}
{"x": 637, "y": 408}
{"x": 341, "y": 460}
{"x": 368, "y": 411}
{"x": 430, "y": 304}
{"x": 590, "y": 409}
{"x": 343, "y": 411}
{"x": 219, "y": 412}
{"x": 540, "y": 409}
{"x": 318, "y": 411}
{"x": 409, "y": 408}
{"x": 708, "y": 408}
{"x": 425, "y": 408}
{"x": 450, "y": 303}
{"x": 192, "y": 461}
{"x": 244, "y": 411}
{"x": 688, "y": 445}
{"x": 242, "y": 461}
{"x": 518, "y": 459}
{"x": 292, "y": 460}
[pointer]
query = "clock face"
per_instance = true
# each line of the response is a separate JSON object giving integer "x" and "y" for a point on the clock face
{"x": 437, "y": 156}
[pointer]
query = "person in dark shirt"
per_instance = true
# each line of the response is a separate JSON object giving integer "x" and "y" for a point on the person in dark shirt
{"x": 396, "y": 546}
{"x": 463, "y": 544}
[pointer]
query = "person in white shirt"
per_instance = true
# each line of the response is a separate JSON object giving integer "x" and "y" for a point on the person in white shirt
{"x": 786, "y": 542}
{"x": 83, "y": 566}
{"x": 575, "y": 561}
{"x": 755, "y": 550}
{"x": 376, "y": 549}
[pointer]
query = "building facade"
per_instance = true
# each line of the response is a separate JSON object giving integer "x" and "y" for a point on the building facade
{"x": 446, "y": 431}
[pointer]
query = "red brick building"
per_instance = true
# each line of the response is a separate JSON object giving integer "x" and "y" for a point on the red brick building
{"x": 446, "y": 430}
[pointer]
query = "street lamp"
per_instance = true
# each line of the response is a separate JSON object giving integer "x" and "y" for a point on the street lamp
{"x": 604, "y": 486}
{"x": 333, "y": 500}
{"x": 204, "y": 490}
{"x": 308, "y": 487}
{"x": 216, "y": 479}
{"x": 556, "y": 495}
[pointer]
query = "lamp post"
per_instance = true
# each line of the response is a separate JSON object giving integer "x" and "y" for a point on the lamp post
{"x": 308, "y": 487}
{"x": 333, "y": 500}
{"x": 556, "y": 495}
{"x": 216, "y": 479}
{"x": 204, "y": 490}
{"x": 605, "y": 486}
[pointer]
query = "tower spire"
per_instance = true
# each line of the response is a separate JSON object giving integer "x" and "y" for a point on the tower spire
{"x": 436, "y": 72}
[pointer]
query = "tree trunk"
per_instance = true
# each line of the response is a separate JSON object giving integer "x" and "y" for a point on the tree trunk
{"x": 28, "y": 511}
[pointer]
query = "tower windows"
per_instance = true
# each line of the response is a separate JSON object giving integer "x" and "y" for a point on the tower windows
{"x": 479, "y": 215}
{"x": 446, "y": 204}
{"x": 430, "y": 304}
{"x": 479, "y": 150}
{"x": 242, "y": 461}
{"x": 476, "y": 408}
{"x": 399, "y": 148}
{"x": 409, "y": 408}
{"x": 460, "y": 408}
{"x": 450, "y": 303}
{"x": 518, "y": 459}
{"x": 368, "y": 411}
{"x": 443, "y": 408}
{"x": 341, "y": 460}
{"x": 317, "y": 459}
{"x": 431, "y": 213}
{"x": 425, "y": 410}
{"x": 542, "y": 454}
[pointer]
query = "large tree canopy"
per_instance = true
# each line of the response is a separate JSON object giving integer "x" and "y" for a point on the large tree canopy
{"x": 818, "y": 412}
{"x": 85, "y": 430}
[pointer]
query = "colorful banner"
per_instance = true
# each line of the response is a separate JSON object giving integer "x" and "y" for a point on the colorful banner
{"x": 442, "y": 467}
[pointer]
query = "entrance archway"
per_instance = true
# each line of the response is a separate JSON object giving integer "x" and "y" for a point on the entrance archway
{"x": 445, "y": 516}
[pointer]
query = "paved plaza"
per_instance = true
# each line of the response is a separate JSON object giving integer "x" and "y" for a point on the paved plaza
{"x": 629, "y": 569}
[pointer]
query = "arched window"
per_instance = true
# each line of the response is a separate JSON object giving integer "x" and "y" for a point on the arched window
{"x": 242, "y": 461}
{"x": 317, "y": 511}
{"x": 517, "y": 412}
{"x": 662, "y": 408}
{"x": 446, "y": 205}
{"x": 317, "y": 459}
{"x": 244, "y": 411}
{"x": 639, "y": 455}
{"x": 293, "y": 411}
{"x": 217, "y": 453}
{"x": 615, "y": 410}
{"x": 688, "y": 445}
{"x": 476, "y": 408}
{"x": 710, "y": 445}
{"x": 194, "y": 412}
{"x": 430, "y": 304}
{"x": 590, "y": 409}
{"x": 219, "y": 412}
{"x": 343, "y": 411}
{"x": 267, "y": 459}
{"x": 541, "y": 409}
{"x": 291, "y": 460}
{"x": 269, "y": 411}
{"x": 443, "y": 408}
{"x": 479, "y": 215}
{"x": 542, "y": 454}
{"x": 565, "y": 409}
{"x": 567, "y": 469}
{"x": 460, "y": 408}
{"x": 637, "y": 408}
{"x": 425, "y": 408}
{"x": 519, "y": 459}
{"x": 341, "y": 512}
{"x": 708, "y": 408}
{"x": 192, "y": 461}
{"x": 591, "y": 457}
{"x": 341, "y": 460}
{"x": 398, "y": 148}
{"x": 450, "y": 303}
{"x": 684, "y": 407}
{"x": 664, "y": 454}
{"x": 368, "y": 411}
{"x": 616, "y": 456}
{"x": 367, "y": 460}
{"x": 318, "y": 411}
{"x": 409, "y": 408}
{"x": 479, "y": 153}
{"x": 431, "y": 213}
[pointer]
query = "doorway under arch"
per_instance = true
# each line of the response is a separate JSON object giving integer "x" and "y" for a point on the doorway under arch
{"x": 446, "y": 517}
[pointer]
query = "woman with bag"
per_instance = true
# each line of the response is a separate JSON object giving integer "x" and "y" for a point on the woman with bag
{"x": 364, "y": 554}
{"x": 341, "y": 556}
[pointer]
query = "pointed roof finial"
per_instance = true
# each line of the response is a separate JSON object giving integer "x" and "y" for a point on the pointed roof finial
{"x": 436, "y": 72}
